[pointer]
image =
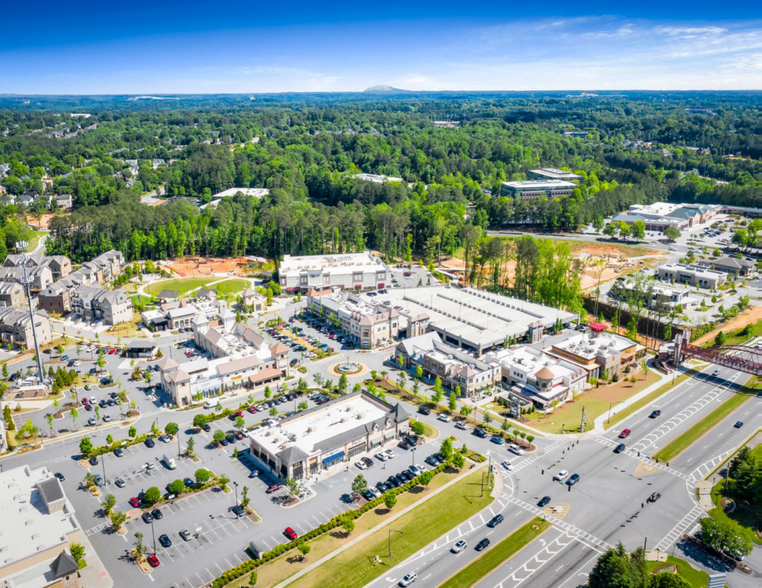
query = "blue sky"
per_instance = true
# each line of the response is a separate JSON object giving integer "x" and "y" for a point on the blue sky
{"x": 138, "y": 47}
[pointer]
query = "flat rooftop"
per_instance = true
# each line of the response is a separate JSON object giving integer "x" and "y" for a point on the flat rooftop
{"x": 553, "y": 173}
{"x": 27, "y": 528}
{"x": 306, "y": 432}
{"x": 540, "y": 185}
{"x": 476, "y": 317}
{"x": 690, "y": 268}
{"x": 345, "y": 262}
{"x": 256, "y": 192}
{"x": 531, "y": 361}
{"x": 589, "y": 345}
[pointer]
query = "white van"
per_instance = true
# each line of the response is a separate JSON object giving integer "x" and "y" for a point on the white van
{"x": 170, "y": 462}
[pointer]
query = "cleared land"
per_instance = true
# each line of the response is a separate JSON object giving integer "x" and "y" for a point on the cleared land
{"x": 596, "y": 401}
{"x": 495, "y": 556}
{"x": 753, "y": 314}
{"x": 356, "y": 566}
{"x": 692, "y": 434}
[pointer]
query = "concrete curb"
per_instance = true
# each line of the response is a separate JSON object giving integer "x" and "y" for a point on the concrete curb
{"x": 369, "y": 532}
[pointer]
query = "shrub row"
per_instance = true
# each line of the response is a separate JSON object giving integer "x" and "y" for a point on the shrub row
{"x": 236, "y": 572}
{"x": 101, "y": 449}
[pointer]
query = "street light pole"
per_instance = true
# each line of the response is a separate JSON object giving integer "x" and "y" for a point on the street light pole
{"x": 236, "y": 496}
{"x": 153, "y": 532}
{"x": 21, "y": 246}
{"x": 390, "y": 541}
{"x": 179, "y": 452}
{"x": 103, "y": 463}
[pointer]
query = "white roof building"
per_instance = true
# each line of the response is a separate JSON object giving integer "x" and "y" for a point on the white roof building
{"x": 351, "y": 271}
{"x": 552, "y": 173}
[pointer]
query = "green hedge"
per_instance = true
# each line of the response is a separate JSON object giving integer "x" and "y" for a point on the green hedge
{"x": 246, "y": 567}
{"x": 100, "y": 450}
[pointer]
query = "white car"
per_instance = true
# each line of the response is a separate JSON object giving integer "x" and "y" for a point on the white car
{"x": 444, "y": 418}
{"x": 77, "y": 363}
{"x": 716, "y": 372}
{"x": 516, "y": 450}
{"x": 506, "y": 465}
{"x": 414, "y": 470}
{"x": 150, "y": 466}
{"x": 561, "y": 475}
{"x": 461, "y": 425}
{"x": 362, "y": 465}
{"x": 408, "y": 579}
{"x": 421, "y": 467}
{"x": 459, "y": 546}
{"x": 382, "y": 456}
{"x": 376, "y": 492}
{"x": 209, "y": 404}
{"x": 390, "y": 454}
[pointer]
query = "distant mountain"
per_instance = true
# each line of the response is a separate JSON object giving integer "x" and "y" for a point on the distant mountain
{"x": 383, "y": 89}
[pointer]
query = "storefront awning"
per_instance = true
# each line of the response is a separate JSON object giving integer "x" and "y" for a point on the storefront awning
{"x": 333, "y": 458}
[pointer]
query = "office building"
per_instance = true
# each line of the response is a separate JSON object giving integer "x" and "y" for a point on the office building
{"x": 350, "y": 271}
{"x": 534, "y": 189}
{"x": 692, "y": 275}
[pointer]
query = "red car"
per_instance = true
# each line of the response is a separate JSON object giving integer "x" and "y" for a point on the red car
{"x": 111, "y": 351}
{"x": 85, "y": 401}
{"x": 135, "y": 502}
{"x": 290, "y": 533}
{"x": 239, "y": 413}
{"x": 251, "y": 410}
{"x": 153, "y": 560}
{"x": 625, "y": 433}
{"x": 273, "y": 488}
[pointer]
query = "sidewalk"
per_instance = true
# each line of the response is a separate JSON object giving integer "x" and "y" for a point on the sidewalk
{"x": 495, "y": 492}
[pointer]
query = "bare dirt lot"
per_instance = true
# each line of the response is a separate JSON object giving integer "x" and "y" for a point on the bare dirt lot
{"x": 192, "y": 267}
{"x": 750, "y": 316}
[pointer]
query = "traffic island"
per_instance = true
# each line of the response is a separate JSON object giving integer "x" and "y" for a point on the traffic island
{"x": 142, "y": 563}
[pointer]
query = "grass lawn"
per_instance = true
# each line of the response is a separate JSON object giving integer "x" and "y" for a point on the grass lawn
{"x": 495, "y": 556}
{"x": 127, "y": 329}
{"x": 138, "y": 299}
{"x": 635, "y": 406}
{"x": 356, "y": 567}
{"x": 696, "y": 578}
{"x": 131, "y": 287}
{"x": 744, "y": 514}
{"x": 692, "y": 434}
{"x": 35, "y": 240}
{"x": 282, "y": 568}
{"x": 233, "y": 286}
{"x": 182, "y": 285}
{"x": 596, "y": 402}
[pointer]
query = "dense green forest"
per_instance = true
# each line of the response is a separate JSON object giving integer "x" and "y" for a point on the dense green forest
{"x": 305, "y": 149}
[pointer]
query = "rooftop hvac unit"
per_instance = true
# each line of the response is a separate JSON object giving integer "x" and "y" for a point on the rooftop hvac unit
{"x": 309, "y": 430}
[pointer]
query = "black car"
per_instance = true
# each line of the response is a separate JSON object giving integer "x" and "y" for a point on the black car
{"x": 481, "y": 433}
{"x": 432, "y": 461}
{"x": 399, "y": 480}
{"x": 150, "y": 442}
{"x": 391, "y": 482}
{"x": 93, "y": 460}
{"x": 368, "y": 495}
{"x": 543, "y": 501}
{"x": 573, "y": 479}
{"x": 157, "y": 514}
{"x": 147, "y": 517}
{"x": 231, "y": 438}
{"x": 189, "y": 482}
{"x": 60, "y": 476}
{"x": 654, "y": 414}
{"x": 654, "y": 497}
{"x": 88, "y": 407}
{"x": 495, "y": 521}
{"x": 424, "y": 410}
{"x": 619, "y": 448}
{"x": 483, "y": 544}
{"x": 368, "y": 461}
{"x": 165, "y": 541}
{"x": 237, "y": 510}
{"x": 382, "y": 487}
{"x": 406, "y": 477}
{"x": 206, "y": 427}
{"x": 119, "y": 452}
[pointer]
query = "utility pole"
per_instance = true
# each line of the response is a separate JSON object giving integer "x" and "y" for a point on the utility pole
{"x": 21, "y": 247}
{"x": 582, "y": 422}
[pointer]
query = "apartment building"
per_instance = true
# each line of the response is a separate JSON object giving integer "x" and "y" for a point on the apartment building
{"x": 16, "y": 327}
{"x": 12, "y": 294}
{"x": 60, "y": 265}
{"x": 40, "y": 277}
{"x": 96, "y": 303}
{"x": 350, "y": 271}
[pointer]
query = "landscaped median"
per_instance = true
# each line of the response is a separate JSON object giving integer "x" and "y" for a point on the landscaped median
{"x": 693, "y": 433}
{"x": 495, "y": 556}
{"x": 453, "y": 504}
